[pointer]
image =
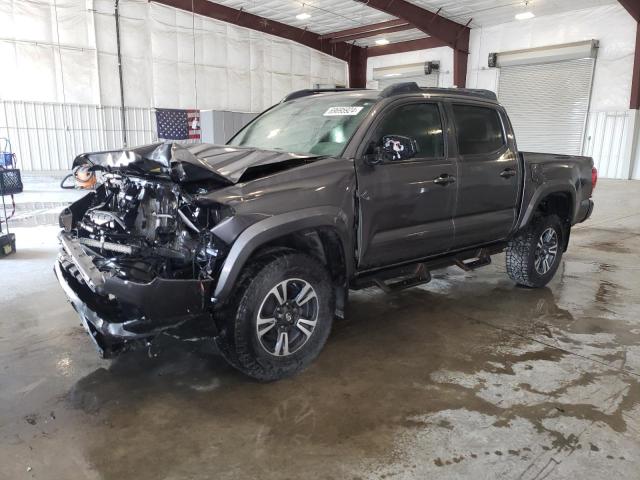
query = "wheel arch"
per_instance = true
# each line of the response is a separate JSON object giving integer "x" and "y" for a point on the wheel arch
{"x": 320, "y": 232}
{"x": 557, "y": 197}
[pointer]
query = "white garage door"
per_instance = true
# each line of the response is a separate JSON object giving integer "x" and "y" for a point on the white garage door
{"x": 548, "y": 104}
{"x": 410, "y": 72}
{"x": 422, "y": 80}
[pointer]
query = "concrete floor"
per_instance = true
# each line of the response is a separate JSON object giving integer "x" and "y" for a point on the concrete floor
{"x": 467, "y": 377}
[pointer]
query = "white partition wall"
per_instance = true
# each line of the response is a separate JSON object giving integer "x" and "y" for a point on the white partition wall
{"x": 62, "y": 56}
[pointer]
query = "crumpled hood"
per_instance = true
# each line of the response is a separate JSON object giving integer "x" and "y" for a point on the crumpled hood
{"x": 219, "y": 162}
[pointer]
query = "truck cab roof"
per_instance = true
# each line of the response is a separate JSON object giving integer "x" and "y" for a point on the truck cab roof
{"x": 401, "y": 89}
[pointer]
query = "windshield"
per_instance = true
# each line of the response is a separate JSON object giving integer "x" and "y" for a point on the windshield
{"x": 317, "y": 125}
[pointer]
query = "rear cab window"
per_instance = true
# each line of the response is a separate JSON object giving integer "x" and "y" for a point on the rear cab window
{"x": 479, "y": 129}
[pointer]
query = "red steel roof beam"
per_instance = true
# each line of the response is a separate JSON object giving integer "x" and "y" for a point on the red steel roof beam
{"x": 375, "y": 33}
{"x": 366, "y": 30}
{"x": 408, "y": 46}
{"x": 453, "y": 34}
{"x": 633, "y": 7}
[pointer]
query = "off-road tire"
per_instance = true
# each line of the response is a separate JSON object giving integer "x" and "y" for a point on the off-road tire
{"x": 238, "y": 341}
{"x": 520, "y": 253}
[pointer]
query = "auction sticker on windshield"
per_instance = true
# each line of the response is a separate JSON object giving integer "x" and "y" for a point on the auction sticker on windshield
{"x": 342, "y": 111}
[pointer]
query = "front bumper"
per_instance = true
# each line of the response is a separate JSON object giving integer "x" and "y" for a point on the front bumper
{"x": 119, "y": 314}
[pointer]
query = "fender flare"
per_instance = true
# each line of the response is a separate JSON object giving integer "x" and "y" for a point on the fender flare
{"x": 548, "y": 188}
{"x": 272, "y": 228}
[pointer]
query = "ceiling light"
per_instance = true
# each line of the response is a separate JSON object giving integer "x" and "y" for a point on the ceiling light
{"x": 525, "y": 15}
{"x": 303, "y": 16}
{"x": 382, "y": 41}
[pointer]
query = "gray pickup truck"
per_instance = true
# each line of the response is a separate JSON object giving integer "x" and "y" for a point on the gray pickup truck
{"x": 257, "y": 243}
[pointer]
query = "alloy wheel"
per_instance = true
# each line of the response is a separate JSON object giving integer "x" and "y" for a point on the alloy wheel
{"x": 546, "y": 251}
{"x": 287, "y": 317}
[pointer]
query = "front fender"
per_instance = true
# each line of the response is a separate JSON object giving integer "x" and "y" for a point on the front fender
{"x": 274, "y": 227}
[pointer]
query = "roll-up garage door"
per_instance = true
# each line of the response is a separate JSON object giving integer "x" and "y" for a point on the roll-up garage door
{"x": 548, "y": 104}
{"x": 422, "y": 80}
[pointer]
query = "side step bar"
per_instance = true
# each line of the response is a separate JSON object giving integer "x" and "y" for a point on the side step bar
{"x": 418, "y": 273}
{"x": 402, "y": 277}
{"x": 482, "y": 260}
{"x": 420, "y": 277}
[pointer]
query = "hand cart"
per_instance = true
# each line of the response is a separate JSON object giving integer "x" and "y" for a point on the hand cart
{"x": 10, "y": 184}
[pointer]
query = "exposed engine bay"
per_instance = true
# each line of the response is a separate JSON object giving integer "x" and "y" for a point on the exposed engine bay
{"x": 139, "y": 229}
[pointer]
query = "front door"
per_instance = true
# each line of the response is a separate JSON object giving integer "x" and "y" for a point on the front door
{"x": 406, "y": 206}
{"x": 489, "y": 175}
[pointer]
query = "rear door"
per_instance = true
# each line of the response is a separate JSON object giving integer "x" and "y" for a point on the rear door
{"x": 404, "y": 214}
{"x": 489, "y": 174}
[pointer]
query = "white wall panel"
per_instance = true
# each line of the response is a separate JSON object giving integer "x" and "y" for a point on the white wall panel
{"x": 79, "y": 71}
{"x": 30, "y": 21}
{"x": 170, "y": 58}
{"x": 608, "y": 140}
{"x": 213, "y": 85}
{"x": 72, "y": 23}
{"x": 239, "y": 95}
{"x": 211, "y": 45}
{"x": 35, "y": 71}
{"x": 104, "y": 26}
{"x": 48, "y": 136}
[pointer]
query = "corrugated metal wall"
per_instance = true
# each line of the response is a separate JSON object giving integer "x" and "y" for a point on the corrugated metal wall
{"x": 48, "y": 136}
{"x": 608, "y": 141}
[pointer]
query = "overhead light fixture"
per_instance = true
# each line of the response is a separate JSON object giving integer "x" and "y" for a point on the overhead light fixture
{"x": 382, "y": 41}
{"x": 393, "y": 75}
{"x": 525, "y": 15}
{"x": 303, "y": 16}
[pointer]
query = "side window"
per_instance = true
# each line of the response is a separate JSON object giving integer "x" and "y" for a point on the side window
{"x": 419, "y": 121}
{"x": 479, "y": 129}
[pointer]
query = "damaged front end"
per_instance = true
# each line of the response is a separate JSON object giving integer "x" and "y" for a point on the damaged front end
{"x": 137, "y": 256}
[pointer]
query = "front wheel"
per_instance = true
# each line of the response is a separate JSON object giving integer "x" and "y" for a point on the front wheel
{"x": 280, "y": 318}
{"x": 534, "y": 254}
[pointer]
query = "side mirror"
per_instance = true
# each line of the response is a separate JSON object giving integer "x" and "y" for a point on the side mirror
{"x": 397, "y": 147}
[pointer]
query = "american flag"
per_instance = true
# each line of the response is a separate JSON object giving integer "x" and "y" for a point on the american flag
{"x": 178, "y": 124}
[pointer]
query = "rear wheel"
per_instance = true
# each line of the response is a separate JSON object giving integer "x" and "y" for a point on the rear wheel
{"x": 281, "y": 317}
{"x": 534, "y": 255}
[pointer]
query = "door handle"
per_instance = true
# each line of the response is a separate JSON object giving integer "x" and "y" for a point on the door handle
{"x": 444, "y": 180}
{"x": 508, "y": 173}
